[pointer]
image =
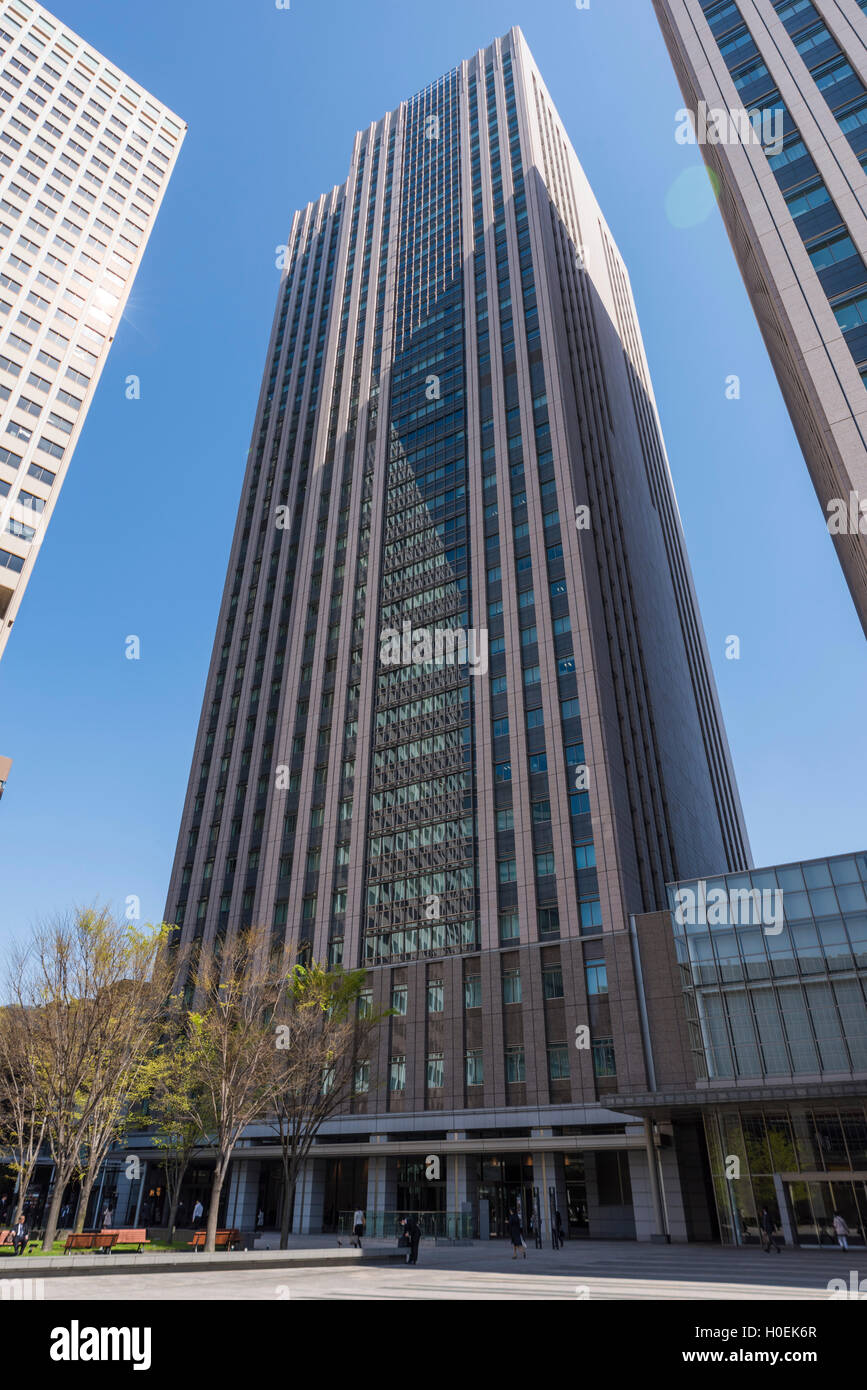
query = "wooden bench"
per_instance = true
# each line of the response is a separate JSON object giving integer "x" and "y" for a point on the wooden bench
{"x": 127, "y": 1235}
{"x": 91, "y": 1240}
{"x": 224, "y": 1240}
{"x": 33, "y": 1238}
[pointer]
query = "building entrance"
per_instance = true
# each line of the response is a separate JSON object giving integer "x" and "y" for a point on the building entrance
{"x": 345, "y": 1189}
{"x": 507, "y": 1183}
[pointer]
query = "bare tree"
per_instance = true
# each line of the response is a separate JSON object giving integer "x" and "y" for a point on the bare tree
{"x": 325, "y": 1034}
{"x": 22, "y": 1110}
{"x": 92, "y": 991}
{"x": 231, "y": 1033}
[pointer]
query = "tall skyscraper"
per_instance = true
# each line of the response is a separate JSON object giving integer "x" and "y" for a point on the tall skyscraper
{"x": 795, "y": 208}
{"x": 460, "y": 721}
{"x": 85, "y": 159}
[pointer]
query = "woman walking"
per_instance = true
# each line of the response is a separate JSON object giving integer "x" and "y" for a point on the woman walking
{"x": 358, "y": 1228}
{"x": 516, "y": 1234}
{"x": 841, "y": 1230}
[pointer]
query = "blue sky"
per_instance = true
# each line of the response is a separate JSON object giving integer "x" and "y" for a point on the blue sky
{"x": 140, "y": 538}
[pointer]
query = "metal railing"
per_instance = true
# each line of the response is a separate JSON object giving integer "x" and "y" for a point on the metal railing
{"x": 441, "y": 1225}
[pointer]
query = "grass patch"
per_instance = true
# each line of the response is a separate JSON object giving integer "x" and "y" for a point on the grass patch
{"x": 60, "y": 1245}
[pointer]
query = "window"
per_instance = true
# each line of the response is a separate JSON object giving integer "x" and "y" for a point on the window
{"x": 585, "y": 856}
{"x": 498, "y": 685}
{"x": 435, "y": 1070}
{"x": 603, "y": 1057}
{"x": 536, "y": 718}
{"x": 558, "y": 1062}
{"x": 507, "y": 871}
{"x": 544, "y": 865}
{"x": 514, "y": 1065}
{"x": 501, "y": 728}
{"x": 435, "y": 997}
{"x": 398, "y": 999}
{"x": 596, "y": 974}
{"x": 473, "y": 992}
{"x": 548, "y": 920}
{"x": 570, "y": 709}
{"x": 829, "y": 250}
{"x": 591, "y": 915}
{"x": 813, "y": 196}
{"x": 538, "y": 762}
{"x": 475, "y": 1069}
{"x": 506, "y": 820}
{"x": 851, "y": 312}
{"x": 552, "y": 981}
{"x": 511, "y": 986}
{"x": 397, "y": 1074}
{"x": 503, "y": 772}
{"x": 509, "y": 927}
{"x": 541, "y": 812}
{"x": 532, "y": 675}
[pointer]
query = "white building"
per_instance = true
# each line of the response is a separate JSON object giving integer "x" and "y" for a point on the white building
{"x": 85, "y": 158}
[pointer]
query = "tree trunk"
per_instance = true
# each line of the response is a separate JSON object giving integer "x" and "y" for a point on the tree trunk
{"x": 286, "y": 1213}
{"x": 174, "y": 1185}
{"x": 214, "y": 1204}
{"x": 173, "y": 1210}
{"x": 25, "y": 1175}
{"x": 87, "y": 1187}
{"x": 60, "y": 1181}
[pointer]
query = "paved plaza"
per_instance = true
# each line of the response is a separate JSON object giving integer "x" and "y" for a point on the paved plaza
{"x": 591, "y": 1270}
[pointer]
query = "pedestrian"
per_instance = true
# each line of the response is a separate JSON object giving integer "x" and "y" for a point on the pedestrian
{"x": 841, "y": 1231}
{"x": 558, "y": 1230}
{"x": 358, "y": 1224}
{"x": 767, "y": 1227}
{"x": 107, "y": 1216}
{"x": 516, "y": 1234}
{"x": 19, "y": 1236}
{"x": 198, "y": 1212}
{"x": 260, "y": 1220}
{"x": 413, "y": 1230}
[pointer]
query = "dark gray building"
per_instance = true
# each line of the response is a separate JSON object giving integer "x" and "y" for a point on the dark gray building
{"x": 793, "y": 193}
{"x": 460, "y": 721}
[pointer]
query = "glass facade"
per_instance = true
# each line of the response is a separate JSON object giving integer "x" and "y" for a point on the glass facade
{"x": 803, "y": 1163}
{"x": 774, "y": 969}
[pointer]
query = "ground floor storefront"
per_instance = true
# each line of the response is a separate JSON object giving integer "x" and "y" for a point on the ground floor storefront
{"x": 625, "y": 1181}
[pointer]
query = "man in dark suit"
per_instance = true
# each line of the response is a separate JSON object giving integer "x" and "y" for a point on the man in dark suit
{"x": 413, "y": 1230}
{"x": 19, "y": 1237}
